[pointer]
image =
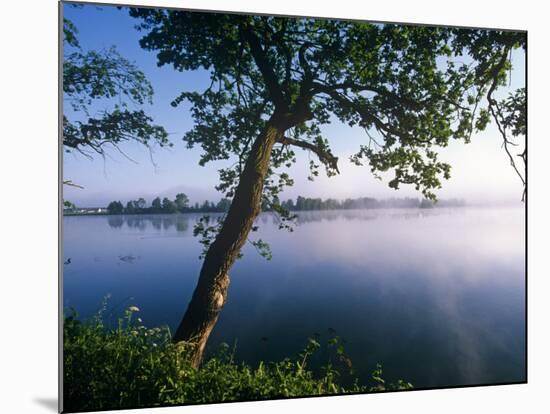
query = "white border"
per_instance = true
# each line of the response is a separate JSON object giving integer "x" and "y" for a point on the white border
{"x": 28, "y": 168}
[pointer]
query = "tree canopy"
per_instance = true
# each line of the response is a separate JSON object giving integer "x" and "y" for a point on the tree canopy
{"x": 412, "y": 89}
{"x": 98, "y": 77}
{"x": 276, "y": 81}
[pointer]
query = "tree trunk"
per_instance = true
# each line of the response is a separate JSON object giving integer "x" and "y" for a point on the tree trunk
{"x": 211, "y": 291}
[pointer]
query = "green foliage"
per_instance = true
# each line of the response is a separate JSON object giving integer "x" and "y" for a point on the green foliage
{"x": 181, "y": 201}
{"x": 179, "y": 205}
{"x": 70, "y": 33}
{"x": 510, "y": 116}
{"x": 513, "y": 113}
{"x": 133, "y": 366}
{"x": 156, "y": 205}
{"x": 135, "y": 206}
{"x": 68, "y": 205}
{"x": 412, "y": 89}
{"x": 263, "y": 249}
{"x": 207, "y": 228}
{"x": 115, "y": 207}
{"x": 112, "y": 128}
{"x": 94, "y": 76}
{"x": 168, "y": 205}
{"x": 103, "y": 74}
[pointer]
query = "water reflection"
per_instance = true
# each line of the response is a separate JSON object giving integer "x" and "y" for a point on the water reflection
{"x": 115, "y": 222}
{"x": 366, "y": 215}
{"x": 182, "y": 222}
{"x": 143, "y": 222}
{"x": 436, "y": 296}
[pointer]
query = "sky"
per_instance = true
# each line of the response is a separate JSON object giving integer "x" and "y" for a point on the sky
{"x": 480, "y": 172}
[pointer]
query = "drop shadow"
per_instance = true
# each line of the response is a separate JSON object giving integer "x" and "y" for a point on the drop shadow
{"x": 49, "y": 403}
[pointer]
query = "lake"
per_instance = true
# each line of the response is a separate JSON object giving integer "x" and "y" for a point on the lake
{"x": 437, "y": 296}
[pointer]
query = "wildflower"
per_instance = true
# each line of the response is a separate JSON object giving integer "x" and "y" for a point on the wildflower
{"x": 133, "y": 309}
{"x": 139, "y": 320}
{"x": 347, "y": 361}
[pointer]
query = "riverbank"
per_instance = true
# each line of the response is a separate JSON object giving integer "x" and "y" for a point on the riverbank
{"x": 132, "y": 366}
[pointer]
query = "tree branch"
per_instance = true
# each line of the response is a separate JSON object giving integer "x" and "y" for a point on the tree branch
{"x": 355, "y": 87}
{"x": 496, "y": 113}
{"x": 324, "y": 155}
{"x": 264, "y": 65}
{"x": 71, "y": 184}
{"x": 365, "y": 115}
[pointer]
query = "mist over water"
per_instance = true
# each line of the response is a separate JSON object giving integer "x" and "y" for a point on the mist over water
{"x": 436, "y": 296}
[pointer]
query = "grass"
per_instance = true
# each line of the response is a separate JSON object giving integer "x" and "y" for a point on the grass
{"x": 132, "y": 366}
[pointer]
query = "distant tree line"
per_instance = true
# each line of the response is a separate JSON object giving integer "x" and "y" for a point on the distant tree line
{"x": 305, "y": 204}
{"x": 179, "y": 205}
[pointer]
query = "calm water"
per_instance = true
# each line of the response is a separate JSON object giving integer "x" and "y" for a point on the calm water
{"x": 436, "y": 296}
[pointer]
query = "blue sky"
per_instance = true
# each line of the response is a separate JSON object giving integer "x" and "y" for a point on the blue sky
{"x": 480, "y": 170}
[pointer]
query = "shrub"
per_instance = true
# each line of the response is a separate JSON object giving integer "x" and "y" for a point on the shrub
{"x": 132, "y": 366}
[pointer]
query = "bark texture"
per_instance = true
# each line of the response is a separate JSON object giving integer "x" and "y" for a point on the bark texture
{"x": 211, "y": 291}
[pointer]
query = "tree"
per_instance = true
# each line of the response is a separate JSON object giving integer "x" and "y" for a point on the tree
{"x": 168, "y": 206}
{"x": 275, "y": 82}
{"x": 181, "y": 201}
{"x": 289, "y": 204}
{"x": 68, "y": 205}
{"x": 91, "y": 76}
{"x": 223, "y": 205}
{"x": 156, "y": 205}
{"x": 206, "y": 206}
{"x": 300, "y": 203}
{"x": 115, "y": 207}
{"x": 510, "y": 115}
{"x": 130, "y": 207}
{"x": 141, "y": 203}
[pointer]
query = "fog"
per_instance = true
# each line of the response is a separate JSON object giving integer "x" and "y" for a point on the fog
{"x": 437, "y": 296}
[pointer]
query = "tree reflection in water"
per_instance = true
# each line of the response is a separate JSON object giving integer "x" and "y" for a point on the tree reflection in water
{"x": 159, "y": 222}
{"x": 183, "y": 222}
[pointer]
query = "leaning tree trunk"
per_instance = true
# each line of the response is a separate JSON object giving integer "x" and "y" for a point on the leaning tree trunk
{"x": 211, "y": 291}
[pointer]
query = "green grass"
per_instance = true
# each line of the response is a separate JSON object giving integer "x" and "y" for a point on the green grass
{"x": 133, "y": 366}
